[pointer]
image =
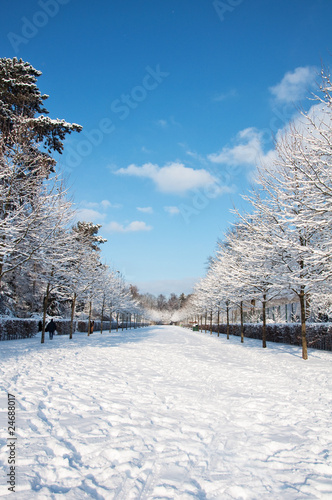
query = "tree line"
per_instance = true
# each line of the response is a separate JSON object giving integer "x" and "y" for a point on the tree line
{"x": 160, "y": 309}
{"x": 49, "y": 263}
{"x": 281, "y": 247}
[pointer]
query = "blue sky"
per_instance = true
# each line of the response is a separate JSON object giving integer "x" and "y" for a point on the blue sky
{"x": 179, "y": 101}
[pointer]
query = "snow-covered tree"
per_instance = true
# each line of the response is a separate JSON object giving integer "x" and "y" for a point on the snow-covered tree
{"x": 22, "y": 109}
{"x": 27, "y": 141}
{"x": 53, "y": 256}
{"x": 294, "y": 230}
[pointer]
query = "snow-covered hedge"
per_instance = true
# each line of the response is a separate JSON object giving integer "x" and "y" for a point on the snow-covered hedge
{"x": 18, "y": 328}
{"x": 82, "y": 326}
{"x": 319, "y": 335}
{"x": 63, "y": 326}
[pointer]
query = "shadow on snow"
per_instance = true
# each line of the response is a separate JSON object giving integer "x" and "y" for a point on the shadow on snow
{"x": 22, "y": 347}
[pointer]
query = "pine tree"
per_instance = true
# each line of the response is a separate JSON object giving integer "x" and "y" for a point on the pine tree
{"x": 22, "y": 116}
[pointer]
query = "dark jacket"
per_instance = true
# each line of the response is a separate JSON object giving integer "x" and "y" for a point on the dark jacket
{"x": 51, "y": 327}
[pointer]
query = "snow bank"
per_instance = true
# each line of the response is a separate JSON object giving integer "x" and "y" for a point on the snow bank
{"x": 164, "y": 413}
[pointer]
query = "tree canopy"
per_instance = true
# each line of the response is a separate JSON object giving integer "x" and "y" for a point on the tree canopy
{"x": 22, "y": 114}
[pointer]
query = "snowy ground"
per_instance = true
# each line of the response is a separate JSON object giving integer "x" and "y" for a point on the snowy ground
{"x": 163, "y": 413}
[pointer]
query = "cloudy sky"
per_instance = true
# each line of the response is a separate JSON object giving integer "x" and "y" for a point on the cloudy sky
{"x": 179, "y": 100}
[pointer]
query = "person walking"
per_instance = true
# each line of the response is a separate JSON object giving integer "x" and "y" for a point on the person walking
{"x": 51, "y": 327}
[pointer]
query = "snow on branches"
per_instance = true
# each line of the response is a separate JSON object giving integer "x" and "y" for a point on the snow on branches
{"x": 283, "y": 247}
{"x": 47, "y": 262}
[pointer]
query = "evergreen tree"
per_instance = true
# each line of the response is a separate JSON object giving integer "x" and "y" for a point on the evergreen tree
{"x": 88, "y": 233}
{"x": 22, "y": 116}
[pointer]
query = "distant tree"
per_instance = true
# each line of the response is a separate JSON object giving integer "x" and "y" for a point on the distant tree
{"x": 161, "y": 302}
{"x": 182, "y": 299}
{"x": 148, "y": 301}
{"x": 134, "y": 291}
{"x": 173, "y": 302}
{"x": 92, "y": 272}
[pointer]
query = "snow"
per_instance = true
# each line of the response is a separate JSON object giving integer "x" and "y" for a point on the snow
{"x": 164, "y": 412}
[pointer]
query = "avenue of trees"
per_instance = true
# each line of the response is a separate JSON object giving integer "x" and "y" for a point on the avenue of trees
{"x": 160, "y": 309}
{"x": 282, "y": 247}
{"x": 49, "y": 262}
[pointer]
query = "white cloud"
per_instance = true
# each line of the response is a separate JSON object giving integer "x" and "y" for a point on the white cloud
{"x": 197, "y": 157}
{"x": 90, "y": 204}
{"x": 135, "y": 226}
{"x": 226, "y": 95}
{"x": 172, "y": 178}
{"x": 94, "y": 211}
{"x": 105, "y": 204}
{"x": 162, "y": 123}
{"x": 247, "y": 150}
{"x": 170, "y": 122}
{"x": 295, "y": 84}
{"x": 88, "y": 214}
{"x": 145, "y": 210}
{"x": 172, "y": 210}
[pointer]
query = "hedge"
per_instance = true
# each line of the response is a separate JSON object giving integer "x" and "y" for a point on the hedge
{"x": 19, "y": 328}
{"x": 319, "y": 335}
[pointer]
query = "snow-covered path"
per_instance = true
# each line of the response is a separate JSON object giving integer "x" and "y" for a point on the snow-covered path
{"x": 163, "y": 413}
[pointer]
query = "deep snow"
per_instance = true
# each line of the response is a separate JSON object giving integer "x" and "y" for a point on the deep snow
{"x": 162, "y": 413}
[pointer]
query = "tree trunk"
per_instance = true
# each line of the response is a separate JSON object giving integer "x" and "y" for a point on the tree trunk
{"x": 307, "y": 307}
{"x": 205, "y": 321}
{"x": 34, "y": 282}
{"x": 264, "y": 321}
{"x": 303, "y": 325}
{"x": 227, "y": 316}
{"x": 211, "y": 323}
{"x": 1, "y": 269}
{"x": 218, "y": 320}
{"x": 242, "y": 327}
{"x": 102, "y": 315}
{"x": 111, "y": 312}
{"x": 45, "y": 302}
{"x": 73, "y": 305}
{"x": 253, "y": 309}
{"x": 89, "y": 322}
